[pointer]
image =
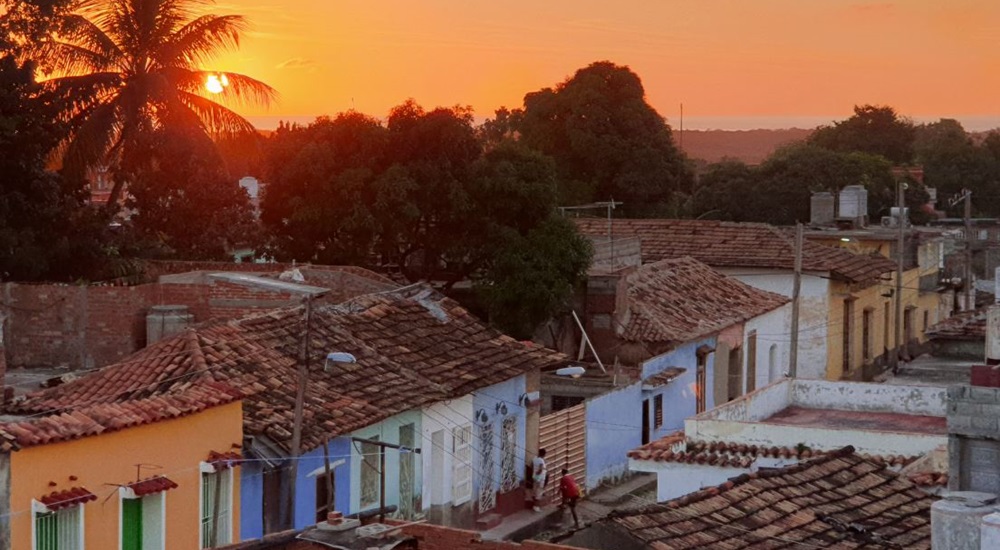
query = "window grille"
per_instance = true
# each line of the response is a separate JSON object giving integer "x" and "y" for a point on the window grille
{"x": 487, "y": 492}
{"x": 508, "y": 455}
{"x": 59, "y": 530}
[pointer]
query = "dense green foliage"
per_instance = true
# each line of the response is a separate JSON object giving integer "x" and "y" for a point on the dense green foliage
{"x": 423, "y": 194}
{"x": 607, "y": 141}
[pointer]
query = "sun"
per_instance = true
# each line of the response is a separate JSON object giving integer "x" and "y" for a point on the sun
{"x": 216, "y": 84}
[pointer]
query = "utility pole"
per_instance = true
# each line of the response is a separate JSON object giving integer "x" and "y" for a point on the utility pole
{"x": 969, "y": 305}
{"x": 793, "y": 353}
{"x": 901, "y": 204}
{"x": 381, "y": 467}
{"x": 300, "y": 396}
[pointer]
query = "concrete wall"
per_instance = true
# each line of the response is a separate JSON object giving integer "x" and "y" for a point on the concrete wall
{"x": 614, "y": 425}
{"x": 773, "y": 329}
{"x": 856, "y": 396}
{"x": 753, "y": 407}
{"x": 813, "y": 312}
{"x": 974, "y": 438}
{"x": 675, "y": 480}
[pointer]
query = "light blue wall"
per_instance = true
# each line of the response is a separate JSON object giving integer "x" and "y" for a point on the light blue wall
{"x": 305, "y": 489}
{"x": 505, "y": 394}
{"x": 614, "y": 426}
{"x": 679, "y": 399}
{"x": 252, "y": 489}
{"x": 387, "y": 431}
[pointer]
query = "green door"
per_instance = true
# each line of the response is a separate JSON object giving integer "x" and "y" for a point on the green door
{"x": 132, "y": 524}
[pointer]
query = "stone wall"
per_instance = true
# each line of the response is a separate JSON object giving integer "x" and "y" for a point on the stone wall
{"x": 974, "y": 439}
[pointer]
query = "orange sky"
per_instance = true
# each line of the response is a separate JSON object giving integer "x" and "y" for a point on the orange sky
{"x": 726, "y": 60}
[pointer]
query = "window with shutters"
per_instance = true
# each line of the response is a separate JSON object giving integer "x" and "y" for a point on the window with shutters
{"x": 461, "y": 484}
{"x": 142, "y": 521}
{"x": 216, "y": 506}
{"x": 370, "y": 479}
{"x": 58, "y": 530}
{"x": 658, "y": 411}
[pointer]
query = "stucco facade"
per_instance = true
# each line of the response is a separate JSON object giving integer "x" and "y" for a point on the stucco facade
{"x": 176, "y": 449}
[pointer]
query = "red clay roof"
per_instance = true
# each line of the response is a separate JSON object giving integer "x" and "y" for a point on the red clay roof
{"x": 838, "y": 500}
{"x": 681, "y": 300}
{"x": 731, "y": 244}
{"x": 413, "y": 347}
{"x": 65, "y": 499}
{"x": 151, "y": 486}
{"x": 676, "y": 448}
{"x": 967, "y": 325}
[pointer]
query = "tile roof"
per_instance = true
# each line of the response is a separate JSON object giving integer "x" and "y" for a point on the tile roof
{"x": 731, "y": 244}
{"x": 839, "y": 500}
{"x": 413, "y": 347}
{"x": 967, "y": 325}
{"x": 682, "y": 299}
{"x": 151, "y": 486}
{"x": 67, "y": 498}
{"x": 675, "y": 448}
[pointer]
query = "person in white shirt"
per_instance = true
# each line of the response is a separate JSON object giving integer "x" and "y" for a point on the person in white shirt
{"x": 539, "y": 476}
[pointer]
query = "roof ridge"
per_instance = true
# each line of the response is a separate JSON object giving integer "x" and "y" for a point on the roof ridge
{"x": 741, "y": 479}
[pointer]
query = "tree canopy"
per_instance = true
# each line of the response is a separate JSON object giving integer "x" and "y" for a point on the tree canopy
{"x": 873, "y": 129}
{"x": 607, "y": 141}
{"x": 423, "y": 195}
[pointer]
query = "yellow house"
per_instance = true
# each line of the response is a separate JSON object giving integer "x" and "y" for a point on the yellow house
{"x": 124, "y": 459}
{"x": 844, "y": 331}
{"x": 864, "y": 317}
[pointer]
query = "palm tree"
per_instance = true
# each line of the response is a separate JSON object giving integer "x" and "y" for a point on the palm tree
{"x": 127, "y": 68}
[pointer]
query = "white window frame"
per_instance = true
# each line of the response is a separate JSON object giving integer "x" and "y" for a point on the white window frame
{"x": 39, "y": 508}
{"x": 126, "y": 493}
{"x": 207, "y": 468}
{"x": 459, "y": 465}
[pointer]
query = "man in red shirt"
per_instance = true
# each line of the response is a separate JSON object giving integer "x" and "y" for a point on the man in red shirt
{"x": 570, "y": 492}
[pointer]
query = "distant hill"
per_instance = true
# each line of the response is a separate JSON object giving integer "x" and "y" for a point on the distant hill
{"x": 750, "y": 146}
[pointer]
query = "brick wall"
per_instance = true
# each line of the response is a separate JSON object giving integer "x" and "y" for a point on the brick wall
{"x": 974, "y": 439}
{"x": 83, "y": 327}
{"x": 436, "y": 537}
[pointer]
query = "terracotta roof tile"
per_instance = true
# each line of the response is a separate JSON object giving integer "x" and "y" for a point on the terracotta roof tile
{"x": 967, "y": 325}
{"x": 676, "y": 448}
{"x": 667, "y": 376}
{"x": 731, "y": 244}
{"x": 413, "y": 347}
{"x": 68, "y": 498}
{"x": 839, "y": 500}
{"x": 151, "y": 486}
{"x": 682, "y": 299}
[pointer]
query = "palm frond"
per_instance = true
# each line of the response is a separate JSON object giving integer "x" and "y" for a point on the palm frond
{"x": 242, "y": 89}
{"x": 200, "y": 40}
{"x": 83, "y": 32}
{"x": 94, "y": 138}
{"x": 217, "y": 119}
{"x": 73, "y": 59}
{"x": 80, "y": 91}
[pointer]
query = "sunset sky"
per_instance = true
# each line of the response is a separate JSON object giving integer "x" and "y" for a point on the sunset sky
{"x": 733, "y": 63}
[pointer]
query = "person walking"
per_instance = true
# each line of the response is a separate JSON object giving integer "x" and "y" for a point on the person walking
{"x": 539, "y": 477}
{"x": 570, "y": 492}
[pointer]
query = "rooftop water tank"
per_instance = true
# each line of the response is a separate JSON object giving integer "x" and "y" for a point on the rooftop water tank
{"x": 854, "y": 202}
{"x": 821, "y": 208}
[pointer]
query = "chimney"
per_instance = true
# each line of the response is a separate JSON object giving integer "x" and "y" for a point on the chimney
{"x": 957, "y": 520}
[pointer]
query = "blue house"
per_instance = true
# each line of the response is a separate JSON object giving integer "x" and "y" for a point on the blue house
{"x": 407, "y": 379}
{"x": 663, "y": 325}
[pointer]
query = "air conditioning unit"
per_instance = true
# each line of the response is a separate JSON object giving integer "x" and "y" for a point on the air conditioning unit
{"x": 890, "y": 221}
